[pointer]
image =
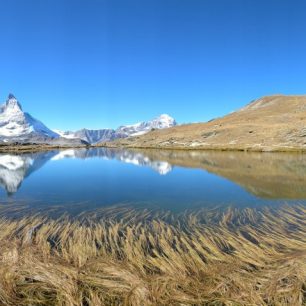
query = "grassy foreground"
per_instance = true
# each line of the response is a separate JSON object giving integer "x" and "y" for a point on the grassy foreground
{"x": 123, "y": 256}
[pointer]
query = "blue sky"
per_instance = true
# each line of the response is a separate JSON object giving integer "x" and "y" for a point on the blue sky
{"x": 103, "y": 63}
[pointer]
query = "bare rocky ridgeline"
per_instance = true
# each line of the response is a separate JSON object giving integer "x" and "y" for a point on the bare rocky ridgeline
{"x": 272, "y": 123}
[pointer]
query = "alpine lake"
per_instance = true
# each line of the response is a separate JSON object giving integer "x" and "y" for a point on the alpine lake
{"x": 158, "y": 226}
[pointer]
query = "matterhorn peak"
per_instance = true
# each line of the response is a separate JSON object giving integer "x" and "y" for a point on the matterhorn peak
{"x": 13, "y": 103}
{"x": 11, "y": 96}
{"x": 17, "y": 125}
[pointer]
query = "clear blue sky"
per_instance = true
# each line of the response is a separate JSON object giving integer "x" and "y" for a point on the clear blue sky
{"x": 102, "y": 63}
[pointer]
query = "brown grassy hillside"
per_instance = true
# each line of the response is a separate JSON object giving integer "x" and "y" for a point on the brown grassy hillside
{"x": 270, "y": 123}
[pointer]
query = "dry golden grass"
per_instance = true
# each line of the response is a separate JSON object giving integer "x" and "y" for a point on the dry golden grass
{"x": 124, "y": 256}
{"x": 272, "y": 123}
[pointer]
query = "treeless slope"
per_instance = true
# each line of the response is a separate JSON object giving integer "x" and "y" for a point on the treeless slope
{"x": 270, "y": 123}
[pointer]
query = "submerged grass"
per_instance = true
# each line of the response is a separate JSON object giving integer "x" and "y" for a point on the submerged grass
{"x": 124, "y": 256}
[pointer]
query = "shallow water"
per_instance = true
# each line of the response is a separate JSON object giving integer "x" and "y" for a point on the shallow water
{"x": 195, "y": 221}
{"x": 83, "y": 179}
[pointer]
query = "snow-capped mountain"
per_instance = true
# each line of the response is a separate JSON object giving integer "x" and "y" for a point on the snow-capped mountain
{"x": 124, "y": 131}
{"x": 162, "y": 122}
{"x": 14, "y": 123}
{"x": 19, "y": 126}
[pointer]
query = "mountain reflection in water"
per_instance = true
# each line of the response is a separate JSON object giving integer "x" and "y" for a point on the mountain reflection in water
{"x": 265, "y": 175}
{"x": 15, "y": 168}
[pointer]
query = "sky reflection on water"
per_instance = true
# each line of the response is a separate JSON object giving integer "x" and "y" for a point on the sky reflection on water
{"x": 167, "y": 179}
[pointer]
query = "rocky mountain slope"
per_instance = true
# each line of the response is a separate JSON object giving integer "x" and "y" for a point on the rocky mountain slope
{"x": 90, "y": 136}
{"x": 96, "y": 136}
{"x": 268, "y": 124}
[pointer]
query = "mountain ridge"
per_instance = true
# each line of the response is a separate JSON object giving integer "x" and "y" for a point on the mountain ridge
{"x": 19, "y": 127}
{"x": 270, "y": 123}
{"x": 95, "y": 136}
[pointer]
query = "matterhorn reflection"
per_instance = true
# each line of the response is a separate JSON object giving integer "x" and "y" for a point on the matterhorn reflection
{"x": 15, "y": 168}
{"x": 265, "y": 175}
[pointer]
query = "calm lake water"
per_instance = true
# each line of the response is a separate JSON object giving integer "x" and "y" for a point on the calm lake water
{"x": 176, "y": 180}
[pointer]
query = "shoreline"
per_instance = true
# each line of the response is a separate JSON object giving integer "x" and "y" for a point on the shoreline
{"x": 211, "y": 148}
{"x": 248, "y": 148}
{"x": 36, "y": 148}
